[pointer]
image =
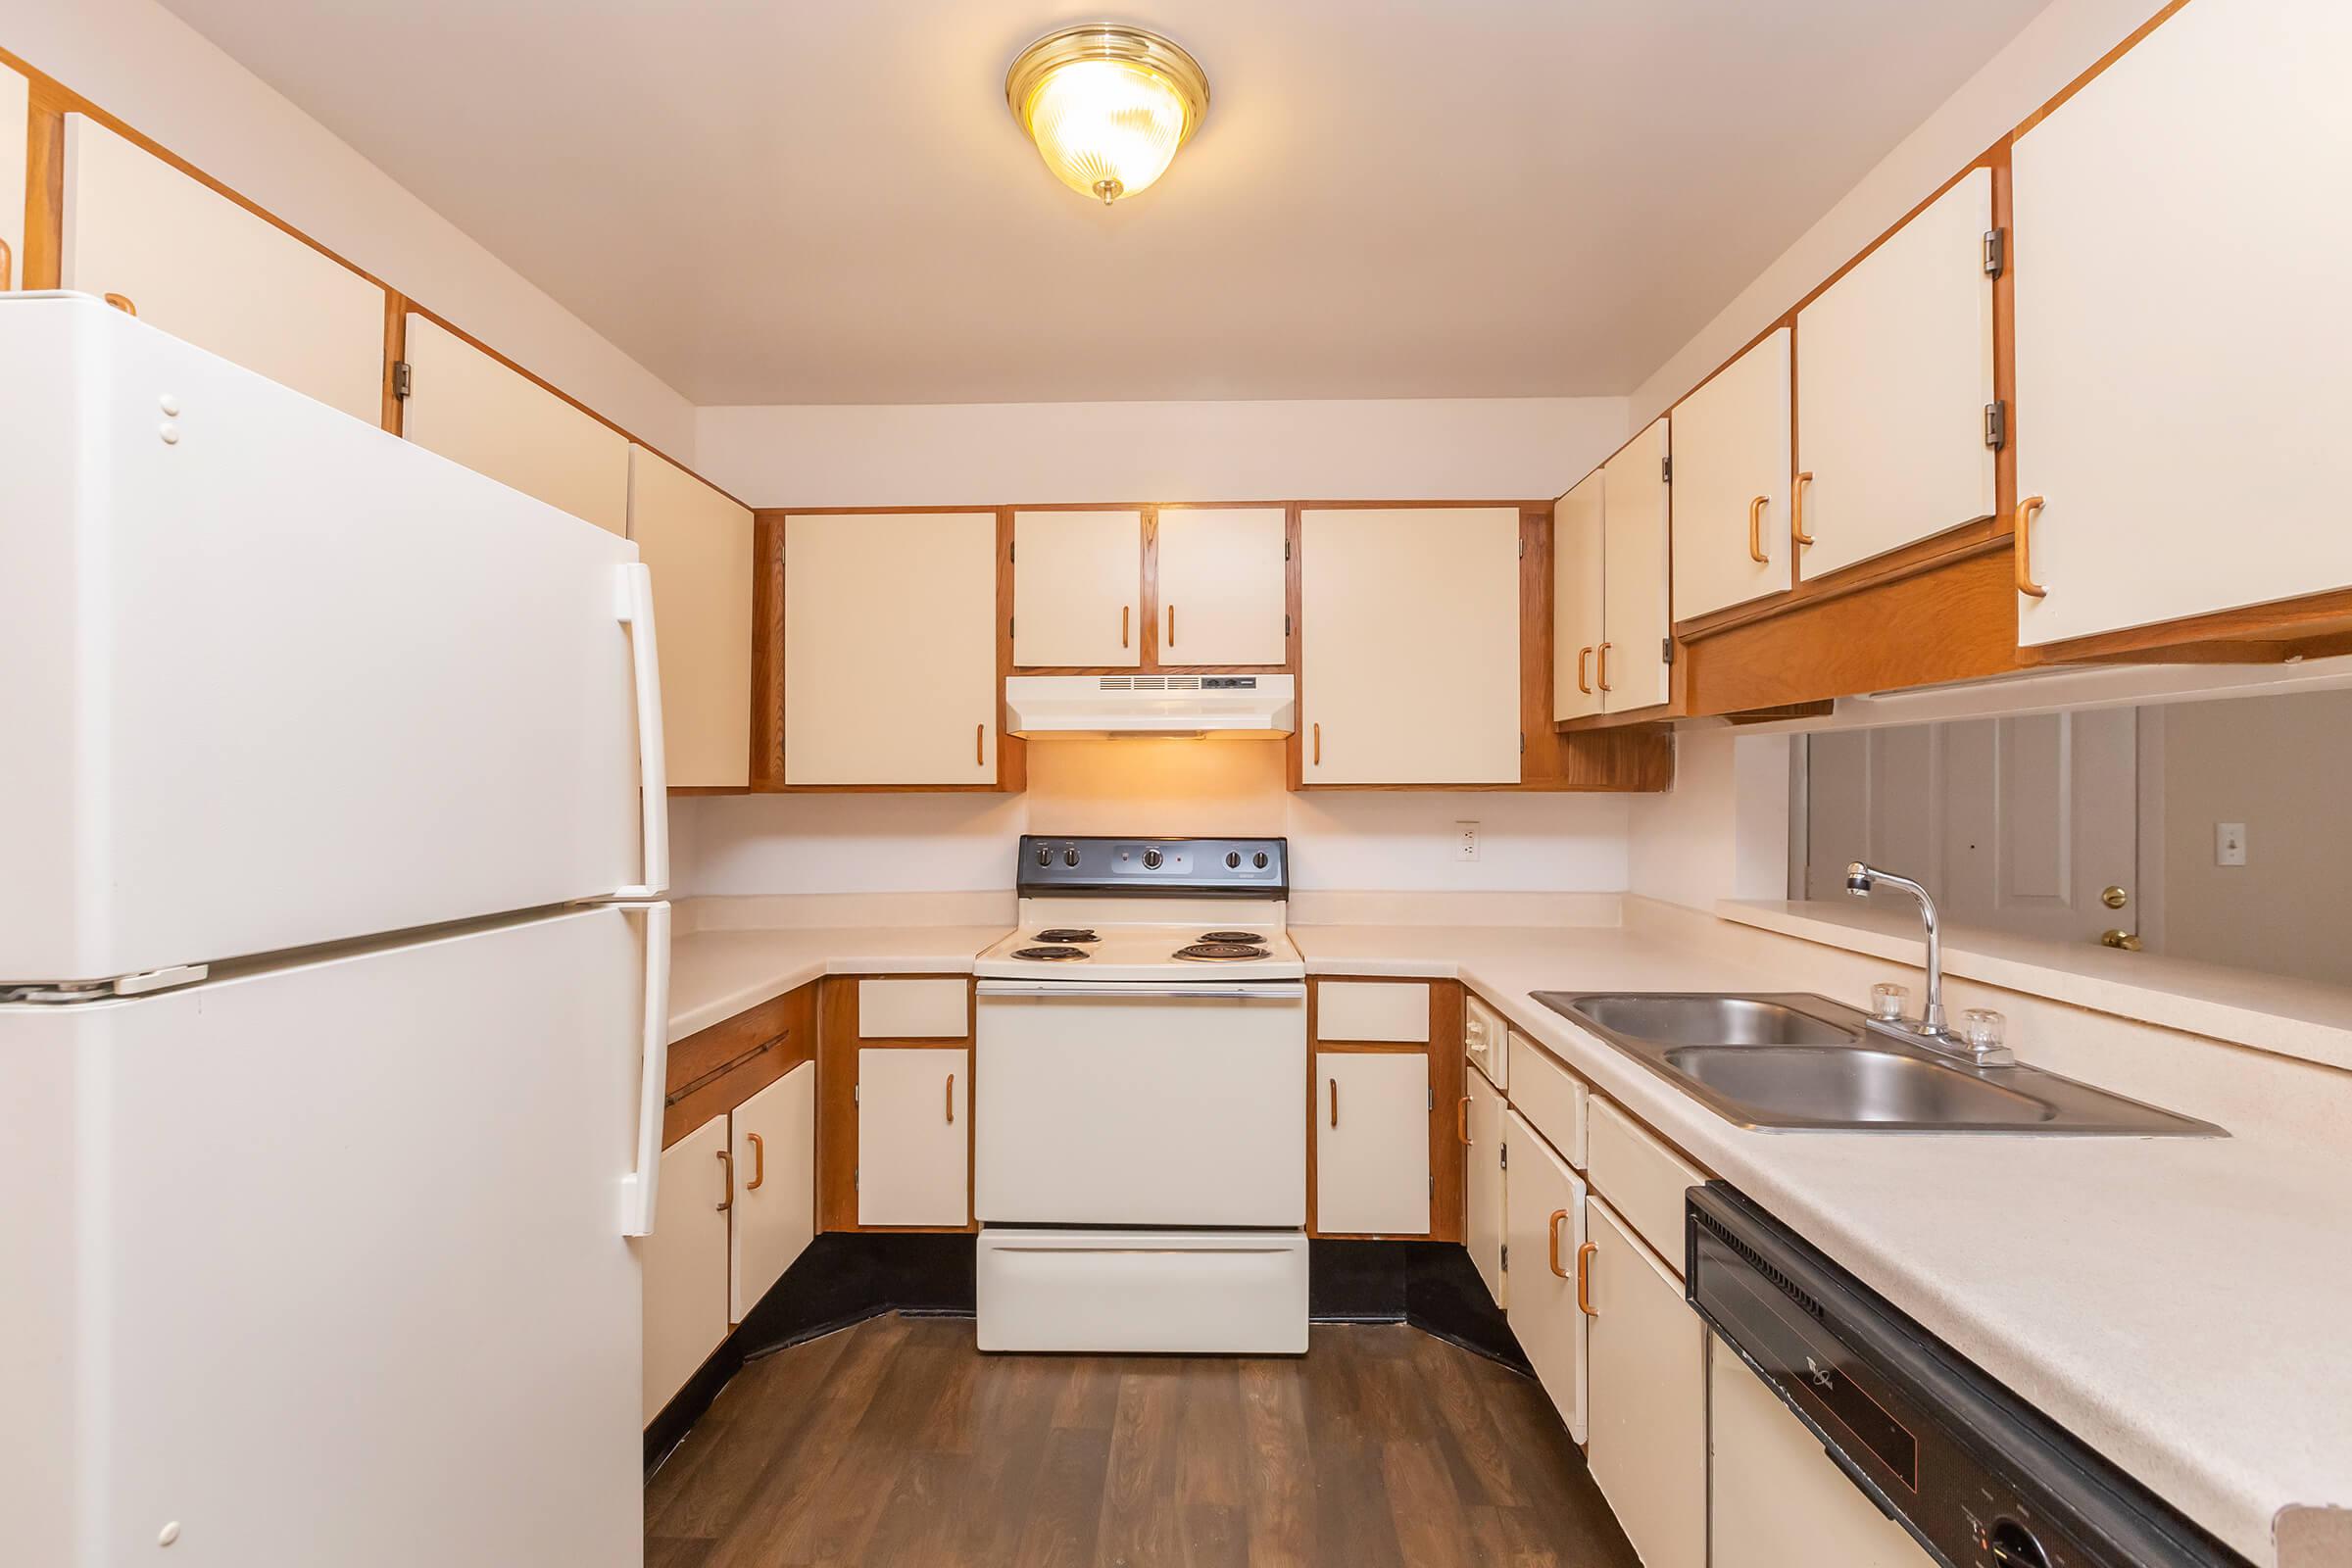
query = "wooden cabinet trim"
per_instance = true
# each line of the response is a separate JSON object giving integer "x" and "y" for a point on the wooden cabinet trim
{"x": 713, "y": 1070}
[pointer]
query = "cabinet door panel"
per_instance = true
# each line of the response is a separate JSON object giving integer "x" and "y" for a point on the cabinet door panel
{"x": 685, "y": 1262}
{"x": 1077, "y": 588}
{"x": 1224, "y": 585}
{"x": 1371, "y": 1110}
{"x": 775, "y": 1184}
{"x": 1483, "y": 1224}
{"x": 1649, "y": 1404}
{"x": 1894, "y": 372}
{"x": 2181, "y": 399}
{"x": 913, "y": 1136}
{"x": 890, "y": 639}
{"x": 494, "y": 420}
{"x": 1543, "y": 1220}
{"x": 697, "y": 545}
{"x": 1410, "y": 637}
{"x": 1731, "y": 448}
{"x": 1635, "y": 616}
{"x": 203, "y": 268}
{"x": 15, "y": 106}
{"x": 1578, "y": 564}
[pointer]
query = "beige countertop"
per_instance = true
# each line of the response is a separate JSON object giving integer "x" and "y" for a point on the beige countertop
{"x": 2177, "y": 1305}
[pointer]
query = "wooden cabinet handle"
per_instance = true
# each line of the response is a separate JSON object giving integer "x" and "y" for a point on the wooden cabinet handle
{"x": 1797, "y": 510}
{"x": 1584, "y": 657}
{"x": 1584, "y": 1278}
{"x": 951, "y": 1099}
{"x": 1461, "y": 1120}
{"x": 1318, "y": 746}
{"x": 758, "y": 1163}
{"x": 2025, "y": 548}
{"x": 1125, "y": 611}
{"x": 1552, "y": 1230}
{"x": 1755, "y": 530}
{"x": 8, "y": 265}
{"x": 121, "y": 302}
{"x": 1171, "y": 625}
{"x": 726, "y": 1163}
{"x": 1335, "y": 1102}
{"x": 980, "y": 744}
{"x": 1602, "y": 674}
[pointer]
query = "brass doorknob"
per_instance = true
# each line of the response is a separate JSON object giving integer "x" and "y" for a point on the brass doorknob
{"x": 2120, "y": 939}
{"x": 2114, "y": 897}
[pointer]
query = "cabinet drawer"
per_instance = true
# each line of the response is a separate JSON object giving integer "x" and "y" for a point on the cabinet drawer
{"x": 1222, "y": 1293}
{"x": 1371, "y": 1009}
{"x": 1551, "y": 1098}
{"x": 1641, "y": 1178}
{"x": 914, "y": 1009}
{"x": 1485, "y": 1041}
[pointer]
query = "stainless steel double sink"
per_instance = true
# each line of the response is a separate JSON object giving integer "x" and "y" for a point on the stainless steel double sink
{"x": 1798, "y": 1061}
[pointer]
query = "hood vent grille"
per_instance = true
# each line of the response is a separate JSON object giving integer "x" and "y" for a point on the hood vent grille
{"x": 1149, "y": 683}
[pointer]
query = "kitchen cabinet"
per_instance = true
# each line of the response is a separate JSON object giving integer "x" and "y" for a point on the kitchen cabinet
{"x": 1893, "y": 377}
{"x": 473, "y": 408}
{"x": 185, "y": 257}
{"x": 1543, "y": 1229}
{"x": 1483, "y": 1218}
{"x": 936, "y": 1008}
{"x": 1578, "y": 565}
{"x": 1410, "y": 637}
{"x": 697, "y": 544}
{"x": 1371, "y": 1114}
{"x": 1077, "y": 588}
{"x": 913, "y": 1136}
{"x": 1647, "y": 1405}
{"x": 1223, "y": 585}
{"x": 1393, "y": 1011}
{"x": 1774, "y": 1494}
{"x": 890, "y": 648}
{"x": 685, "y": 1261}
{"x": 16, "y": 107}
{"x": 2181, "y": 325}
{"x": 1731, "y": 483}
{"x": 1635, "y": 619}
{"x": 1642, "y": 1179}
{"x": 774, "y": 1139}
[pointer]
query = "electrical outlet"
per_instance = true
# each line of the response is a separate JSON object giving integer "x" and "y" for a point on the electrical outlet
{"x": 2228, "y": 843}
{"x": 1465, "y": 841}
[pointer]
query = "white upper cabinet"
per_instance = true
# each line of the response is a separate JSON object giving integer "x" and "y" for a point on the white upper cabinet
{"x": 2181, "y": 326}
{"x": 15, "y": 110}
{"x": 1894, "y": 376}
{"x": 775, "y": 1139}
{"x": 698, "y": 546}
{"x": 1410, "y": 637}
{"x": 1731, "y": 484}
{"x": 1633, "y": 614}
{"x": 1077, "y": 588}
{"x": 1372, "y": 1143}
{"x": 195, "y": 264}
{"x": 890, "y": 648}
{"x": 1543, "y": 1208}
{"x": 1224, "y": 585}
{"x": 472, "y": 409}
{"x": 1578, "y": 562}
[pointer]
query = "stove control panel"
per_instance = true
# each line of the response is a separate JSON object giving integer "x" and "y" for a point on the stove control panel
{"x": 1253, "y": 868}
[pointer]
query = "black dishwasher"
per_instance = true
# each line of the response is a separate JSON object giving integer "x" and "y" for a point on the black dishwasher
{"x": 1978, "y": 1476}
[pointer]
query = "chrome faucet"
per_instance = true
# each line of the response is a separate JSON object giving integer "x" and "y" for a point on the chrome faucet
{"x": 1931, "y": 1028}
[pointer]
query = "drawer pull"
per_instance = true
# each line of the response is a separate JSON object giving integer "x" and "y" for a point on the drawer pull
{"x": 726, "y": 1163}
{"x": 2026, "y": 584}
{"x": 1461, "y": 1120}
{"x": 1584, "y": 657}
{"x": 951, "y": 1099}
{"x": 1755, "y": 530}
{"x": 758, "y": 1163}
{"x": 1584, "y": 1278}
{"x": 1602, "y": 674}
{"x": 1797, "y": 510}
{"x": 1125, "y": 613}
{"x": 1171, "y": 625}
{"x": 121, "y": 302}
{"x": 693, "y": 1085}
{"x": 980, "y": 744}
{"x": 1551, "y": 1233}
{"x": 1318, "y": 746}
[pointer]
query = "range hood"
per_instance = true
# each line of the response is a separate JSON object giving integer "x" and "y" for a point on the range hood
{"x": 1109, "y": 707}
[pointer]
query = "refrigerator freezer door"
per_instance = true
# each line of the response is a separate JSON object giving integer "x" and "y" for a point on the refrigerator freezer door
{"x": 325, "y": 1265}
{"x": 274, "y": 677}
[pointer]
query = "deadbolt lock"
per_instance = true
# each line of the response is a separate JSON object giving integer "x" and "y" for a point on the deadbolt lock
{"x": 2115, "y": 897}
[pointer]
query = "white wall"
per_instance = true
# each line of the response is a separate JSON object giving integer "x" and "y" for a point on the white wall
{"x": 1721, "y": 832}
{"x": 994, "y": 454}
{"x": 140, "y": 63}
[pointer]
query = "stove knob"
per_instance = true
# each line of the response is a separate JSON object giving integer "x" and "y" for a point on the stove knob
{"x": 1258, "y": 859}
{"x": 1070, "y": 857}
{"x": 1233, "y": 860}
{"x": 2013, "y": 1547}
{"x": 1045, "y": 855}
{"x": 1150, "y": 859}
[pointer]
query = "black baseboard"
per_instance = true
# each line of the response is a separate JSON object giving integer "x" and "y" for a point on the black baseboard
{"x": 846, "y": 1277}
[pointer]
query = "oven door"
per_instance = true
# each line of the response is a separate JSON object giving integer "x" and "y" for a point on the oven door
{"x": 1104, "y": 1103}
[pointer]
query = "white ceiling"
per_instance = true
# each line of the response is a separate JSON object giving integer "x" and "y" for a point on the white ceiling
{"x": 786, "y": 201}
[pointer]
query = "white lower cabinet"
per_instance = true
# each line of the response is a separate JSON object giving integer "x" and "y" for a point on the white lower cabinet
{"x": 1648, "y": 1398}
{"x": 1543, "y": 1206}
{"x": 685, "y": 1262}
{"x": 1371, "y": 1118}
{"x": 1482, "y": 1221}
{"x": 1774, "y": 1495}
{"x": 913, "y": 1136}
{"x": 775, "y": 1185}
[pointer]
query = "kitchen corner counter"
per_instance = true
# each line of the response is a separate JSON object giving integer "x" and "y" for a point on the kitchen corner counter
{"x": 715, "y": 975}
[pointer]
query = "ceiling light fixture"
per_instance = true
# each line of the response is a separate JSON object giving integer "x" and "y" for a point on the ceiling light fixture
{"x": 1107, "y": 107}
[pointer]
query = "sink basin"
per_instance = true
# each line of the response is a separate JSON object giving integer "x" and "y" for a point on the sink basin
{"x": 1794, "y": 1062}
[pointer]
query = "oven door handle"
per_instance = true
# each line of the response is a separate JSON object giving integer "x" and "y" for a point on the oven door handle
{"x": 1086, "y": 990}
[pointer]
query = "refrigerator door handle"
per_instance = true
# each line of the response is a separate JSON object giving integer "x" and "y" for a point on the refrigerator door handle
{"x": 636, "y": 612}
{"x": 638, "y": 1193}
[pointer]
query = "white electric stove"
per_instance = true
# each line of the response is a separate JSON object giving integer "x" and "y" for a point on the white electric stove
{"x": 1141, "y": 1117}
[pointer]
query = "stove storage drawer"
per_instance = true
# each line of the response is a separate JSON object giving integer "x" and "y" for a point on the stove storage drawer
{"x": 1229, "y": 1293}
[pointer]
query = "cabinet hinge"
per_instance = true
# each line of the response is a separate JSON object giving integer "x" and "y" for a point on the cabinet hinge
{"x": 1285, "y": 625}
{"x": 1504, "y": 1160}
{"x": 1996, "y": 424}
{"x": 1523, "y": 743}
{"x": 1996, "y": 251}
{"x": 1008, "y": 625}
{"x": 1286, "y": 550}
{"x": 855, "y": 1171}
{"x": 1012, "y": 548}
{"x": 1432, "y": 1093}
{"x": 853, "y": 1093}
{"x": 1665, "y": 649}
{"x": 400, "y": 379}
{"x": 1522, "y": 550}
{"x": 1433, "y": 1187}
{"x": 1506, "y": 1258}
{"x": 1665, "y": 470}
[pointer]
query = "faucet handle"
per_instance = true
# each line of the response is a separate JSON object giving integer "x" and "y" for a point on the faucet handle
{"x": 1890, "y": 1002}
{"x": 1987, "y": 1032}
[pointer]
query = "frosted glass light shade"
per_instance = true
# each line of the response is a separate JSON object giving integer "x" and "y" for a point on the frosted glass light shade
{"x": 1107, "y": 107}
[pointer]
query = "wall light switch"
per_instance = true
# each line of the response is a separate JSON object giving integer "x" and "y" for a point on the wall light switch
{"x": 1465, "y": 841}
{"x": 2228, "y": 843}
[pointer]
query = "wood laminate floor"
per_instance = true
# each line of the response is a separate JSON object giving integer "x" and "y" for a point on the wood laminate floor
{"x": 897, "y": 1442}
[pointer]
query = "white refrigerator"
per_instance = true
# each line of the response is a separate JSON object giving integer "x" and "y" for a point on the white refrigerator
{"x": 333, "y": 981}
